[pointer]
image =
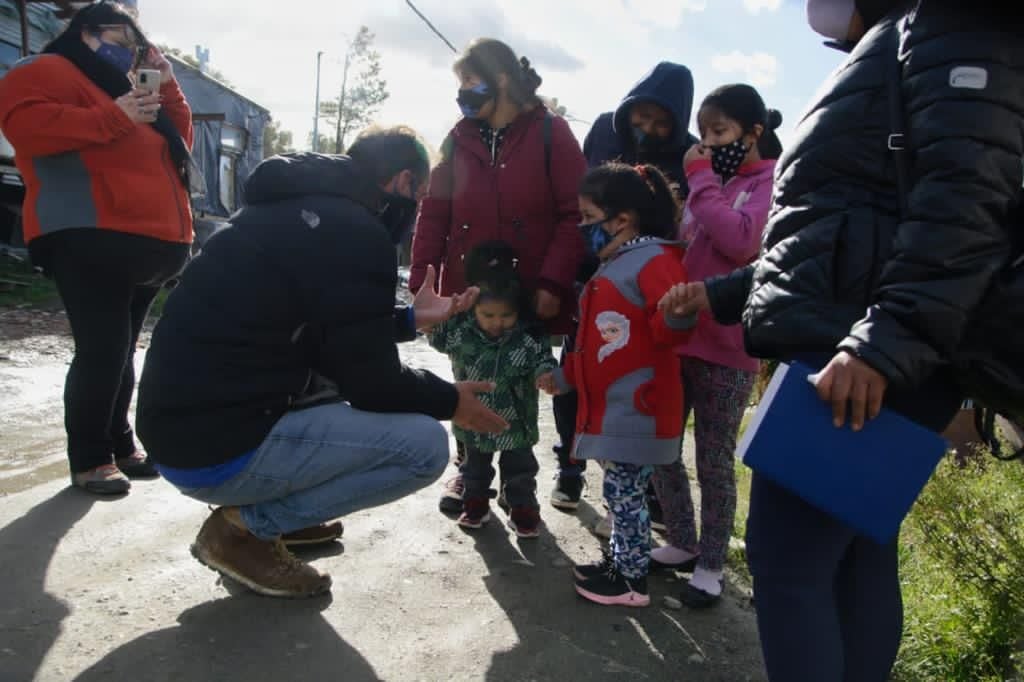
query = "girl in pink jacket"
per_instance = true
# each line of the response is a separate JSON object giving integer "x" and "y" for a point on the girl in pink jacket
{"x": 730, "y": 179}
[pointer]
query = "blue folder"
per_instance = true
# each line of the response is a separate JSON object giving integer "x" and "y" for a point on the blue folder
{"x": 867, "y": 479}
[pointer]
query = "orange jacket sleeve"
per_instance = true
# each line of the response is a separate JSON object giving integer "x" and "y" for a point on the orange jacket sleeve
{"x": 38, "y": 116}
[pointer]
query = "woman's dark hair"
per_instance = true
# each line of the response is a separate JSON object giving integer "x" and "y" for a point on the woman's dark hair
{"x": 492, "y": 267}
{"x": 620, "y": 188}
{"x": 489, "y": 58}
{"x": 743, "y": 104}
{"x": 92, "y": 18}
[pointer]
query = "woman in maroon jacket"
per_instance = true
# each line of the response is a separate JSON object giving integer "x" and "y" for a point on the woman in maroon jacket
{"x": 510, "y": 171}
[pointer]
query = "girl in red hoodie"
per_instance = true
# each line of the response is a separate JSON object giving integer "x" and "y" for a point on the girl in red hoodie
{"x": 624, "y": 366}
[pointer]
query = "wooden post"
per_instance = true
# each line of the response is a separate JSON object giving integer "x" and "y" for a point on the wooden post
{"x": 23, "y": 10}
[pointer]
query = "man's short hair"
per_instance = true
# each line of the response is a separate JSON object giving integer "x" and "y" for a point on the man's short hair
{"x": 386, "y": 152}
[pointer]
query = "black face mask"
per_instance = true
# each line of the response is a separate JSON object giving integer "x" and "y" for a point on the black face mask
{"x": 398, "y": 214}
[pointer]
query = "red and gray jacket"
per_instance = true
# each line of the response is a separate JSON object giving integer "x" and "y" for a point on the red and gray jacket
{"x": 624, "y": 366}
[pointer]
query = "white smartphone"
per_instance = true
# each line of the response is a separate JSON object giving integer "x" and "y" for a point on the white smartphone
{"x": 148, "y": 80}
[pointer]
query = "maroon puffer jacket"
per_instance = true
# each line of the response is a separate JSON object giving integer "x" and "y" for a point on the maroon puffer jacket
{"x": 514, "y": 199}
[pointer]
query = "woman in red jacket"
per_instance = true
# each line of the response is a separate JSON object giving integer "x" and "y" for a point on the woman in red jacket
{"x": 509, "y": 172}
{"x": 106, "y": 214}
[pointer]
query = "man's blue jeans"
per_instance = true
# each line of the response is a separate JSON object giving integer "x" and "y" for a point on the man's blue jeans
{"x": 328, "y": 461}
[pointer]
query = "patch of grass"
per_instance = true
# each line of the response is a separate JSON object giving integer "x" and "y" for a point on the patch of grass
{"x": 21, "y": 285}
{"x": 961, "y": 560}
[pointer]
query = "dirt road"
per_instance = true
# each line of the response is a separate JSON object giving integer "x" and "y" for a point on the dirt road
{"x": 106, "y": 589}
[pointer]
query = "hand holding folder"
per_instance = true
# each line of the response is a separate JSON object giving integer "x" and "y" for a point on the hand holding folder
{"x": 868, "y": 479}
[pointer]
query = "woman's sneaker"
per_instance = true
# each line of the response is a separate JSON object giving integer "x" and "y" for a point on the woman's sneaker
{"x": 103, "y": 480}
{"x": 567, "y": 492}
{"x": 476, "y": 512}
{"x": 137, "y": 465}
{"x": 525, "y": 521}
{"x": 587, "y": 571}
{"x": 611, "y": 588}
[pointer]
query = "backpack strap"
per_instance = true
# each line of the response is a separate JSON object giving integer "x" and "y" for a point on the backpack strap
{"x": 548, "y": 118}
{"x": 897, "y": 139}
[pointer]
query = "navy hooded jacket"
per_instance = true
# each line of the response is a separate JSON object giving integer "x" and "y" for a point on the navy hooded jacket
{"x": 668, "y": 85}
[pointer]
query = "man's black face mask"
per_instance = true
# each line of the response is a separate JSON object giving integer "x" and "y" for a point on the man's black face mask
{"x": 398, "y": 213}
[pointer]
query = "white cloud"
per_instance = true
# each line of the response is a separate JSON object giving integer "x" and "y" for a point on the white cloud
{"x": 759, "y": 68}
{"x": 755, "y": 6}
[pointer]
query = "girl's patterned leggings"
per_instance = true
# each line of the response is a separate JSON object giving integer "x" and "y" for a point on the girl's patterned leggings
{"x": 718, "y": 396}
{"x": 625, "y": 486}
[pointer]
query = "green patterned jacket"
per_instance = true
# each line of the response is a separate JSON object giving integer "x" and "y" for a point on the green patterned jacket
{"x": 512, "y": 362}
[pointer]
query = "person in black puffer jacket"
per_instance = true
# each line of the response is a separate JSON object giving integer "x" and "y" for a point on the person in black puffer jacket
{"x": 880, "y": 303}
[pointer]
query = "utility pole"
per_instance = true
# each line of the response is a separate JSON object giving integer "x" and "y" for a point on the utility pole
{"x": 341, "y": 101}
{"x": 316, "y": 106}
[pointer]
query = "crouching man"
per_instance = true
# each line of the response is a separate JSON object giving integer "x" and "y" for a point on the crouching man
{"x": 298, "y": 294}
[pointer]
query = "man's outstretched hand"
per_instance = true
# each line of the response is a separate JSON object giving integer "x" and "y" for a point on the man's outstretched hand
{"x": 683, "y": 300}
{"x": 431, "y": 309}
{"x": 473, "y": 415}
{"x": 848, "y": 381}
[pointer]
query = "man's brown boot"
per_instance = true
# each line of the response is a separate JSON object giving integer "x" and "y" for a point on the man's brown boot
{"x": 320, "y": 534}
{"x": 264, "y": 566}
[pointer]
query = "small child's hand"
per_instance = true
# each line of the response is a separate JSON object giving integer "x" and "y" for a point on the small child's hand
{"x": 546, "y": 383}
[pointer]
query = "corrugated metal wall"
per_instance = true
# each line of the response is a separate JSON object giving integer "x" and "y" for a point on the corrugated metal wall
{"x": 43, "y": 25}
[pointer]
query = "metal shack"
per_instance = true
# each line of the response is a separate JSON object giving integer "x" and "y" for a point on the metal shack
{"x": 228, "y": 143}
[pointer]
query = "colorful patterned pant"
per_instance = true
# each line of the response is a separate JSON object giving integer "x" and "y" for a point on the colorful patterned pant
{"x": 624, "y": 488}
{"x": 718, "y": 397}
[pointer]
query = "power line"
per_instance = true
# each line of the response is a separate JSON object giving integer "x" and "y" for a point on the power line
{"x": 431, "y": 26}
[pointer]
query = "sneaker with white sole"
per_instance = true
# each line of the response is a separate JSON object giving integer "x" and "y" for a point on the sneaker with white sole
{"x": 611, "y": 588}
{"x": 476, "y": 512}
{"x": 567, "y": 493}
{"x": 106, "y": 479}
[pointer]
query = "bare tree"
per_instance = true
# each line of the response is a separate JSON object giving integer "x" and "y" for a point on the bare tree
{"x": 361, "y": 99}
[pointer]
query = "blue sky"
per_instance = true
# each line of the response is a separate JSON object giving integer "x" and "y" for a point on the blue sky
{"x": 589, "y": 53}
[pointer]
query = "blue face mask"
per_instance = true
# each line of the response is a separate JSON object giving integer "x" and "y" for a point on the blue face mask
{"x": 472, "y": 100}
{"x": 595, "y": 238}
{"x": 121, "y": 57}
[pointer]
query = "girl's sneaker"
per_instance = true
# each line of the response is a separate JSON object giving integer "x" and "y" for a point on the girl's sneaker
{"x": 476, "y": 512}
{"x": 584, "y": 572}
{"x": 613, "y": 589}
{"x": 525, "y": 521}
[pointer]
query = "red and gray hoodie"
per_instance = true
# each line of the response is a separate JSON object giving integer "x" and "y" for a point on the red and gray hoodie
{"x": 623, "y": 365}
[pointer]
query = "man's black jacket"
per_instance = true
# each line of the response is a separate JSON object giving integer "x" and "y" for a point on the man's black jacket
{"x": 302, "y": 281}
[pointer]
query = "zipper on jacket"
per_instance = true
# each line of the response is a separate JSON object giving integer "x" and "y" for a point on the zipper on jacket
{"x": 164, "y": 154}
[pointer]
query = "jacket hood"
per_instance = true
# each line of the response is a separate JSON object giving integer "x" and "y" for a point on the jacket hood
{"x": 668, "y": 85}
{"x": 303, "y": 174}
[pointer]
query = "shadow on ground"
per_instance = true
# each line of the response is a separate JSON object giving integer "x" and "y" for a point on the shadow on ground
{"x": 30, "y": 624}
